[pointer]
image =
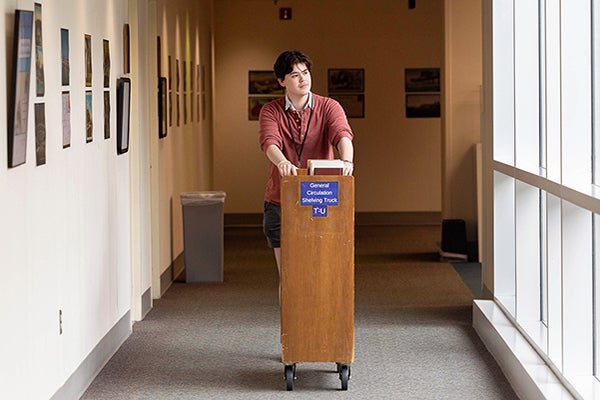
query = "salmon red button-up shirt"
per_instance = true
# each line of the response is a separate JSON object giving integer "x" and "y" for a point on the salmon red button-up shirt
{"x": 320, "y": 126}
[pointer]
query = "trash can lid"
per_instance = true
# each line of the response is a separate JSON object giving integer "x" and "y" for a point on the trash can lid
{"x": 205, "y": 197}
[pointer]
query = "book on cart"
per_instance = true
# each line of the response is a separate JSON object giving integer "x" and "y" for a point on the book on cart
{"x": 325, "y": 167}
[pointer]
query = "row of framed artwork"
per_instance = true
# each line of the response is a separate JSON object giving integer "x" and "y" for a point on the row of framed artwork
{"x": 344, "y": 84}
{"x": 171, "y": 93}
{"x": 422, "y": 86}
{"x": 347, "y": 86}
{"x": 25, "y": 21}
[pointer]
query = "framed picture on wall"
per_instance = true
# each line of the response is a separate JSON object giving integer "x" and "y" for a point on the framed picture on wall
{"x": 64, "y": 56}
{"x": 346, "y": 80}
{"x": 123, "y": 107}
{"x": 423, "y": 106}
{"x": 39, "y": 52}
{"x": 106, "y": 62}
{"x": 17, "y": 130}
{"x": 162, "y": 107}
{"x": 106, "y": 114}
{"x": 89, "y": 120}
{"x": 66, "y": 119}
{"x": 422, "y": 79}
{"x": 126, "y": 63}
{"x": 39, "y": 111}
{"x": 263, "y": 82}
{"x": 88, "y": 60}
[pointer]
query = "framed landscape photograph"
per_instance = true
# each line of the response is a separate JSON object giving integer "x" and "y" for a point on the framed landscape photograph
{"x": 39, "y": 52}
{"x": 162, "y": 107}
{"x": 19, "y": 108}
{"x": 88, "y": 60}
{"x": 123, "y": 107}
{"x": 346, "y": 80}
{"x": 64, "y": 56}
{"x": 422, "y": 79}
{"x": 66, "y": 119}
{"x": 40, "y": 133}
{"x": 89, "y": 120}
{"x": 106, "y": 62}
{"x": 263, "y": 82}
{"x": 106, "y": 114}
{"x": 126, "y": 62}
{"x": 423, "y": 106}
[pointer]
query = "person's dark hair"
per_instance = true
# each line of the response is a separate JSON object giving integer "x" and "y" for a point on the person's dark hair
{"x": 286, "y": 61}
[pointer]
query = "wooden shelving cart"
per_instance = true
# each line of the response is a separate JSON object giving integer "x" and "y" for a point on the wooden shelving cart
{"x": 317, "y": 268}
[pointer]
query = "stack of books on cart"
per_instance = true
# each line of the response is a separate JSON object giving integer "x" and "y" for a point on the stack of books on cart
{"x": 325, "y": 167}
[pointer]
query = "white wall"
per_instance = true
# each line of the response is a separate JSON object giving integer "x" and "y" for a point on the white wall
{"x": 65, "y": 231}
{"x": 398, "y": 160}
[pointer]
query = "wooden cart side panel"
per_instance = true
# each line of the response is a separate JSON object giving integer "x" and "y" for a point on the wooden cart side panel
{"x": 317, "y": 261}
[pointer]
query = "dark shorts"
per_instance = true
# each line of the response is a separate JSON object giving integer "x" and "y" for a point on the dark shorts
{"x": 272, "y": 224}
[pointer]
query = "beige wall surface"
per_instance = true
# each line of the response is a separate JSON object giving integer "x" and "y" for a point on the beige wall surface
{"x": 462, "y": 111}
{"x": 185, "y": 154}
{"x": 398, "y": 160}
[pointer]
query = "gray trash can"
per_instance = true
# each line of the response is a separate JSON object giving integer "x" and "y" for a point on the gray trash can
{"x": 203, "y": 235}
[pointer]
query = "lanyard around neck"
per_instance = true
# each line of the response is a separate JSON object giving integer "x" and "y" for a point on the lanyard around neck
{"x": 299, "y": 151}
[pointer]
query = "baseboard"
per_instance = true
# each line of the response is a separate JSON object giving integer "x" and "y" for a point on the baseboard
{"x": 241, "y": 219}
{"x": 528, "y": 374}
{"x": 146, "y": 302}
{"x": 91, "y": 366}
{"x": 360, "y": 218}
{"x": 398, "y": 218}
{"x": 179, "y": 268}
{"x": 173, "y": 273}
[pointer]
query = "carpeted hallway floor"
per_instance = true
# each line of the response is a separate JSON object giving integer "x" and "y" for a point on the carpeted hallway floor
{"x": 413, "y": 333}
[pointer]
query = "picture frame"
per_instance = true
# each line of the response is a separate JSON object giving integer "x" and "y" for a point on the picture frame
{"x": 255, "y": 103}
{"x": 106, "y": 62}
{"x": 177, "y": 80}
{"x": 353, "y": 104}
{"x": 126, "y": 62}
{"x": 21, "y": 78}
{"x": 123, "y": 108}
{"x": 40, "y": 87}
{"x": 40, "y": 133}
{"x": 170, "y": 108}
{"x": 89, "y": 117}
{"x": 422, "y": 80}
{"x": 66, "y": 119}
{"x": 346, "y": 80}
{"x": 88, "y": 59}
{"x": 423, "y": 106}
{"x": 263, "y": 83}
{"x": 162, "y": 107}
{"x": 106, "y": 114}
{"x": 64, "y": 56}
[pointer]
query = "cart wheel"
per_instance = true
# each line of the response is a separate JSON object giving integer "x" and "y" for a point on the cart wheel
{"x": 289, "y": 377}
{"x": 344, "y": 376}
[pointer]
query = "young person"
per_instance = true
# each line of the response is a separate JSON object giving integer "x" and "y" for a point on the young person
{"x": 294, "y": 129}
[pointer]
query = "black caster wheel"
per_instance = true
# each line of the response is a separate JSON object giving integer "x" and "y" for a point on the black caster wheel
{"x": 290, "y": 375}
{"x": 344, "y": 375}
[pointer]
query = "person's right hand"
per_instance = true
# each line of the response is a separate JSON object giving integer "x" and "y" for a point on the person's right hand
{"x": 286, "y": 168}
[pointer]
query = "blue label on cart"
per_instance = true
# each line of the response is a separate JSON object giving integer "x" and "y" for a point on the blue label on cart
{"x": 319, "y": 211}
{"x": 319, "y": 194}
